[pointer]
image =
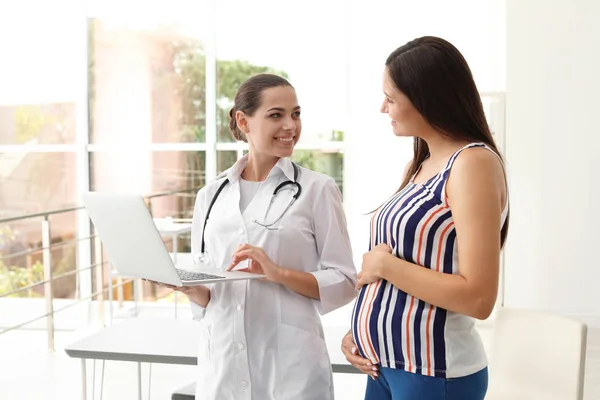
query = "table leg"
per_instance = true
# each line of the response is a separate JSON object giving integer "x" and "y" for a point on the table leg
{"x": 175, "y": 248}
{"x": 139, "y": 374}
{"x": 83, "y": 380}
{"x": 94, "y": 379}
{"x": 102, "y": 381}
{"x": 110, "y": 291}
{"x": 149, "y": 379}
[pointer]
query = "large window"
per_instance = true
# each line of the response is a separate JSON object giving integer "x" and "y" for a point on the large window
{"x": 306, "y": 47}
{"x": 39, "y": 125}
{"x": 161, "y": 85}
{"x": 146, "y": 82}
{"x": 138, "y": 101}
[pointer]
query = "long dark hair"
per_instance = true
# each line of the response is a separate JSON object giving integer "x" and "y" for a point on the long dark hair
{"x": 437, "y": 80}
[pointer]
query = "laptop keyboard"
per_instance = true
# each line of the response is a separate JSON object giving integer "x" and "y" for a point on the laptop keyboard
{"x": 196, "y": 276}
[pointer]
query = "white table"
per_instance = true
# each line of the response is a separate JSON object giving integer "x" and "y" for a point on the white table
{"x": 166, "y": 341}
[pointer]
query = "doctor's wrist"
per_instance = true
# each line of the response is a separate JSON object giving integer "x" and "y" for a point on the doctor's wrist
{"x": 280, "y": 275}
{"x": 200, "y": 296}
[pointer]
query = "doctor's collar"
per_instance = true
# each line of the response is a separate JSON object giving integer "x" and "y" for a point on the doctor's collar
{"x": 284, "y": 165}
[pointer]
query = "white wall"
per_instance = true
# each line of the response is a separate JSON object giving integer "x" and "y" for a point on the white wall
{"x": 552, "y": 135}
{"x": 41, "y": 51}
{"x": 375, "y": 158}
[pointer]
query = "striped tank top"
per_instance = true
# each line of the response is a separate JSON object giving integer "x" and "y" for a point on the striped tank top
{"x": 396, "y": 330}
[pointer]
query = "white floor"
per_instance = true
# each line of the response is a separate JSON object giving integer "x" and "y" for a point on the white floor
{"x": 28, "y": 371}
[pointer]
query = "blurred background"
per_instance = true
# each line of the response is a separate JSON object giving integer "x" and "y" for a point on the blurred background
{"x": 134, "y": 96}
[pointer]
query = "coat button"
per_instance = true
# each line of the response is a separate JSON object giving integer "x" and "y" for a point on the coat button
{"x": 241, "y": 346}
{"x": 244, "y": 383}
{"x": 241, "y": 231}
{"x": 239, "y": 307}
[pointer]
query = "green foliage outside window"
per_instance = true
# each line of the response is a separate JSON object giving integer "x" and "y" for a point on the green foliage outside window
{"x": 189, "y": 63}
{"x": 14, "y": 277}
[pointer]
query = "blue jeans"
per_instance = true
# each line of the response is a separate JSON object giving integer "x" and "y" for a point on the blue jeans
{"x": 397, "y": 384}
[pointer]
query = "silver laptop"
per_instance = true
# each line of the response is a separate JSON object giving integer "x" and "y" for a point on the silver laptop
{"x": 136, "y": 248}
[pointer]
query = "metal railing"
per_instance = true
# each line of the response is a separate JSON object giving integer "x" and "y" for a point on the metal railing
{"x": 98, "y": 268}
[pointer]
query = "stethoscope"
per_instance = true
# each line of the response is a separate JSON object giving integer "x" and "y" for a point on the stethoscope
{"x": 264, "y": 224}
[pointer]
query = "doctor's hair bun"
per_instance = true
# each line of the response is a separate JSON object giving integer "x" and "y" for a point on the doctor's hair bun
{"x": 247, "y": 99}
{"x": 233, "y": 128}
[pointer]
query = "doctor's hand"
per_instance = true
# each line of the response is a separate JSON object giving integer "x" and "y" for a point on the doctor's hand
{"x": 259, "y": 262}
{"x": 371, "y": 266}
{"x": 197, "y": 294}
{"x": 351, "y": 352}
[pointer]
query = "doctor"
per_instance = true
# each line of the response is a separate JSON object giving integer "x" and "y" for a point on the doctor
{"x": 263, "y": 339}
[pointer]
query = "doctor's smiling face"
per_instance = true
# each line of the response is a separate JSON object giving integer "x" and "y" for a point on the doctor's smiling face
{"x": 271, "y": 124}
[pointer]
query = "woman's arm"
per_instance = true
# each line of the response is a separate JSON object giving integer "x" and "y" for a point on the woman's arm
{"x": 298, "y": 281}
{"x": 476, "y": 191}
{"x": 336, "y": 273}
{"x": 333, "y": 283}
{"x": 199, "y": 295}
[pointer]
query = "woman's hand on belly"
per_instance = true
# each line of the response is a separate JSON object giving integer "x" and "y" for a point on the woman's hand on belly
{"x": 350, "y": 351}
{"x": 372, "y": 263}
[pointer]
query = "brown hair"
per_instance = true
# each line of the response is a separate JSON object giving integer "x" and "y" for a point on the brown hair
{"x": 437, "y": 80}
{"x": 248, "y": 100}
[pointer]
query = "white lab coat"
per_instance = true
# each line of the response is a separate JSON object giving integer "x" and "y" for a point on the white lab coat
{"x": 260, "y": 340}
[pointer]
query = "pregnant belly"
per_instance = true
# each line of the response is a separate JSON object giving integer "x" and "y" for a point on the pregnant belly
{"x": 364, "y": 320}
